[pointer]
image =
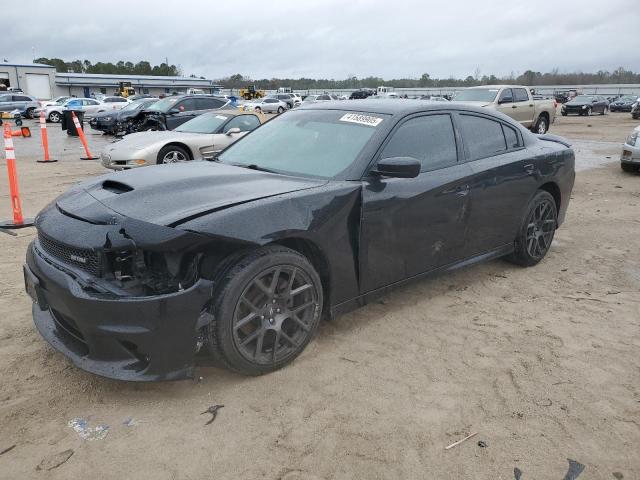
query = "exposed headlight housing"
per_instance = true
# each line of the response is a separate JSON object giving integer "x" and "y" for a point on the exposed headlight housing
{"x": 584, "y": 107}
{"x": 633, "y": 138}
{"x": 106, "y": 119}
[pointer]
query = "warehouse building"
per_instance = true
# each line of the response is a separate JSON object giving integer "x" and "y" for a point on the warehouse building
{"x": 42, "y": 82}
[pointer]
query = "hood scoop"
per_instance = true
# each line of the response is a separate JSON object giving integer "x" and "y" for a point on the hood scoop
{"x": 116, "y": 187}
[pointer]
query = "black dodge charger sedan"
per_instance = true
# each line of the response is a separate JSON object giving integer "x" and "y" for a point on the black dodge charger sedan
{"x": 586, "y": 105}
{"x": 313, "y": 214}
{"x": 125, "y": 120}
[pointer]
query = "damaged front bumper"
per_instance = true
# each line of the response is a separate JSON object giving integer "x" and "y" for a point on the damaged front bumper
{"x": 137, "y": 338}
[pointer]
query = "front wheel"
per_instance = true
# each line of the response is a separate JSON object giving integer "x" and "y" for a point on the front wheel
{"x": 55, "y": 117}
{"x": 564, "y": 114}
{"x": 266, "y": 312}
{"x": 29, "y": 113}
{"x": 172, "y": 154}
{"x": 604, "y": 111}
{"x": 280, "y": 109}
{"x": 589, "y": 112}
{"x": 537, "y": 230}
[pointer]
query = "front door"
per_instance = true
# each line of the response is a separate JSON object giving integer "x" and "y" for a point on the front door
{"x": 413, "y": 225}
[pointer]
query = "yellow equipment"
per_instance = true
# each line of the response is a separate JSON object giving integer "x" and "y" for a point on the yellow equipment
{"x": 250, "y": 93}
{"x": 125, "y": 89}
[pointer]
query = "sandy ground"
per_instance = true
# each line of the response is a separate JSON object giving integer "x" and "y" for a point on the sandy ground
{"x": 544, "y": 363}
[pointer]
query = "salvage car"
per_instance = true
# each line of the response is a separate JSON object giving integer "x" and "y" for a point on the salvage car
{"x": 635, "y": 110}
{"x": 623, "y": 104}
{"x": 586, "y": 105}
{"x": 199, "y": 138}
{"x": 171, "y": 112}
{"x": 515, "y": 101}
{"x": 630, "y": 157}
{"x": 123, "y": 121}
{"x": 90, "y": 107}
{"x": 315, "y": 213}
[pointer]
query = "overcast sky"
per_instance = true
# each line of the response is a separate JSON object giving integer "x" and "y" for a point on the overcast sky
{"x": 330, "y": 38}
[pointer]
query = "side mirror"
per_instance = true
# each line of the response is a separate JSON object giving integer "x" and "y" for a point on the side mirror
{"x": 173, "y": 111}
{"x": 233, "y": 130}
{"x": 505, "y": 100}
{"x": 398, "y": 167}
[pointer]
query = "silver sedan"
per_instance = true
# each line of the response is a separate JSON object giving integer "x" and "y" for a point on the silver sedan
{"x": 266, "y": 105}
{"x": 199, "y": 138}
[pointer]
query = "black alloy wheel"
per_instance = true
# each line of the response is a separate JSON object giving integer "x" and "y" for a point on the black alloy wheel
{"x": 267, "y": 312}
{"x": 537, "y": 231}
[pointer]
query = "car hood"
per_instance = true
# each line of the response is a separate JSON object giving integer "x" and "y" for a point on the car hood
{"x": 579, "y": 103}
{"x": 172, "y": 194}
{"x": 139, "y": 140}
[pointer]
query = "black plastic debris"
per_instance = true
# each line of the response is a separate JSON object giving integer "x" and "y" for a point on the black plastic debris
{"x": 213, "y": 410}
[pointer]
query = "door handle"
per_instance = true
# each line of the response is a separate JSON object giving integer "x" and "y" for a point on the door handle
{"x": 530, "y": 168}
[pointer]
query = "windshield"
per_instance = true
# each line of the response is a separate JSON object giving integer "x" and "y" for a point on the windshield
{"x": 310, "y": 98}
{"x": 206, "y": 123}
{"x": 477, "y": 95}
{"x": 583, "y": 98}
{"x": 310, "y": 143}
{"x": 164, "y": 105}
{"x": 627, "y": 98}
{"x": 137, "y": 105}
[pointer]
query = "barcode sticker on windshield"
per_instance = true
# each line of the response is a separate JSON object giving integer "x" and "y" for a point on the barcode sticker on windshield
{"x": 361, "y": 119}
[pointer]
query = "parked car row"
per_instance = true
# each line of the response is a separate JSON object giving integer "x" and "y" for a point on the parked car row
{"x": 586, "y": 105}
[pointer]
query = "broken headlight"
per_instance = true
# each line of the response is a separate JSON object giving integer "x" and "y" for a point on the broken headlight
{"x": 633, "y": 138}
{"x": 152, "y": 273}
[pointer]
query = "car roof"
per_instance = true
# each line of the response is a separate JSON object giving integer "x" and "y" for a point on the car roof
{"x": 391, "y": 107}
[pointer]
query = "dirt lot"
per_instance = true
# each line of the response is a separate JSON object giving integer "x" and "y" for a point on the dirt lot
{"x": 544, "y": 363}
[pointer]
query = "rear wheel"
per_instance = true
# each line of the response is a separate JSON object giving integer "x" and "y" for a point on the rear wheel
{"x": 29, "y": 113}
{"x": 257, "y": 109}
{"x": 280, "y": 109}
{"x": 542, "y": 125}
{"x": 55, "y": 117}
{"x": 172, "y": 154}
{"x": 537, "y": 230}
{"x": 267, "y": 311}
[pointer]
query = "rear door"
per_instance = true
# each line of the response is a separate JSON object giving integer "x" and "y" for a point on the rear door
{"x": 413, "y": 225}
{"x": 503, "y": 179}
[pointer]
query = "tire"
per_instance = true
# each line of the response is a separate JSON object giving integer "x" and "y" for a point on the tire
{"x": 172, "y": 154}
{"x": 246, "y": 325}
{"x": 537, "y": 230}
{"x": 564, "y": 114}
{"x": 55, "y": 117}
{"x": 280, "y": 109}
{"x": 542, "y": 125}
{"x": 628, "y": 168}
{"x": 29, "y": 113}
{"x": 604, "y": 111}
{"x": 588, "y": 112}
{"x": 257, "y": 109}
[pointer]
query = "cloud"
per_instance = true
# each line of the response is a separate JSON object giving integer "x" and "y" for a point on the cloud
{"x": 332, "y": 38}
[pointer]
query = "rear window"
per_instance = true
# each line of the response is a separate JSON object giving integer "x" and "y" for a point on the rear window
{"x": 482, "y": 137}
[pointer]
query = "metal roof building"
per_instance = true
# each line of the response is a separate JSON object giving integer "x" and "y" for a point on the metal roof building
{"x": 42, "y": 82}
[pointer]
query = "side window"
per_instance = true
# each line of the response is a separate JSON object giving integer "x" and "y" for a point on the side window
{"x": 208, "y": 103}
{"x": 119, "y": 100}
{"x": 245, "y": 123}
{"x": 482, "y": 137}
{"x": 188, "y": 105}
{"x": 23, "y": 99}
{"x": 506, "y": 96}
{"x": 107, "y": 100}
{"x": 520, "y": 95}
{"x": 513, "y": 141}
{"x": 429, "y": 139}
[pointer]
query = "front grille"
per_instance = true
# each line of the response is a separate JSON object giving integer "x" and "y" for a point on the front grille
{"x": 83, "y": 258}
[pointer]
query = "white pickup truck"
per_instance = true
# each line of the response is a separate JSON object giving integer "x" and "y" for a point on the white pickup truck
{"x": 515, "y": 101}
